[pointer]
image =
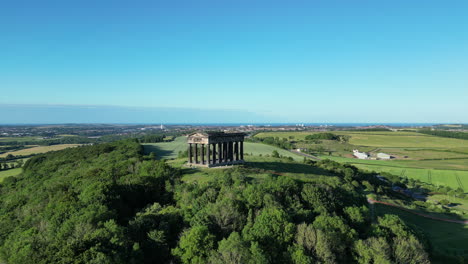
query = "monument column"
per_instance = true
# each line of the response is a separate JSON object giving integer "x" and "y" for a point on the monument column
{"x": 190, "y": 152}
{"x": 196, "y": 153}
{"x": 242, "y": 150}
{"x": 214, "y": 154}
{"x": 236, "y": 149}
{"x": 207, "y": 154}
{"x": 225, "y": 153}
{"x": 231, "y": 151}
{"x": 220, "y": 152}
{"x": 202, "y": 154}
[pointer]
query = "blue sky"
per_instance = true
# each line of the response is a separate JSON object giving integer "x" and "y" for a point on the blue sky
{"x": 282, "y": 61}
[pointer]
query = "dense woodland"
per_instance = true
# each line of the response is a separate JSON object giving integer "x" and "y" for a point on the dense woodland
{"x": 108, "y": 203}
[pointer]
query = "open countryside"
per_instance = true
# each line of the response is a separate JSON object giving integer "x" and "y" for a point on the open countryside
{"x": 431, "y": 159}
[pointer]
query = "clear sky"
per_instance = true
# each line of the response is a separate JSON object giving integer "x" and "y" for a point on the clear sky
{"x": 287, "y": 61}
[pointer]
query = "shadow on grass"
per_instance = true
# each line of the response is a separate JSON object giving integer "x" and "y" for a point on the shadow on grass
{"x": 447, "y": 240}
{"x": 285, "y": 167}
{"x": 160, "y": 153}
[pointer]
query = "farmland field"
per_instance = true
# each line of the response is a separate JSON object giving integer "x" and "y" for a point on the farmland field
{"x": 8, "y": 173}
{"x": 19, "y": 139}
{"x": 433, "y": 176}
{"x": 431, "y": 159}
{"x": 39, "y": 149}
{"x": 169, "y": 150}
{"x": 382, "y": 139}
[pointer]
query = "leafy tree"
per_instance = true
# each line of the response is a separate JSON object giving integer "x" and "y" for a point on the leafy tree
{"x": 409, "y": 250}
{"x": 275, "y": 154}
{"x": 195, "y": 245}
{"x": 272, "y": 230}
{"x": 233, "y": 250}
{"x": 373, "y": 250}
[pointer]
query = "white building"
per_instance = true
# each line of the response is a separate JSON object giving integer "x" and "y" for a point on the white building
{"x": 383, "y": 156}
{"x": 360, "y": 155}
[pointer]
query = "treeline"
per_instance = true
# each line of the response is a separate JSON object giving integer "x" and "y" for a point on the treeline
{"x": 327, "y": 136}
{"x": 444, "y": 133}
{"x": 11, "y": 165}
{"x": 276, "y": 141}
{"x": 109, "y": 203}
{"x": 375, "y": 129}
{"x": 145, "y": 138}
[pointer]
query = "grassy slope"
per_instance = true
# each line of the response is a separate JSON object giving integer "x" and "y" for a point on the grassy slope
{"x": 166, "y": 150}
{"x": 169, "y": 150}
{"x": 446, "y": 238}
{"x": 258, "y": 168}
{"x": 8, "y": 173}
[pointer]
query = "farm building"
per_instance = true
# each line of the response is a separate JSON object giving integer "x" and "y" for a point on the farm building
{"x": 360, "y": 155}
{"x": 383, "y": 156}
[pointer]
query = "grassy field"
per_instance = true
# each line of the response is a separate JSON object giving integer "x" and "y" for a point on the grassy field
{"x": 436, "y": 160}
{"x": 39, "y": 149}
{"x": 169, "y": 150}
{"x": 166, "y": 150}
{"x": 258, "y": 168}
{"x": 382, "y": 139}
{"x": 447, "y": 239}
{"x": 8, "y": 173}
{"x": 451, "y": 178}
{"x": 19, "y": 139}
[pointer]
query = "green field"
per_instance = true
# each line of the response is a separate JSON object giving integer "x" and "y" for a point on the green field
{"x": 436, "y": 177}
{"x": 166, "y": 150}
{"x": 169, "y": 150}
{"x": 8, "y": 173}
{"x": 431, "y": 159}
{"x": 382, "y": 139}
{"x": 259, "y": 168}
{"x": 447, "y": 239}
{"x": 19, "y": 139}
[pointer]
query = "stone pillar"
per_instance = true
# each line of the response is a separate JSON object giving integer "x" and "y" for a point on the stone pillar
{"x": 242, "y": 150}
{"x": 202, "y": 153}
{"x": 196, "y": 153}
{"x": 214, "y": 154}
{"x": 190, "y": 153}
{"x": 231, "y": 151}
{"x": 225, "y": 151}
{"x": 236, "y": 149}
{"x": 220, "y": 152}
{"x": 208, "y": 154}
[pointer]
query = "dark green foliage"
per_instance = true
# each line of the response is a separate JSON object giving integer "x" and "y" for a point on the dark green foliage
{"x": 79, "y": 205}
{"x": 276, "y": 141}
{"x": 325, "y": 136}
{"x": 108, "y": 203}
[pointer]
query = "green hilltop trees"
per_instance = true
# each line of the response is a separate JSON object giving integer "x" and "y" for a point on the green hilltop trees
{"x": 109, "y": 203}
